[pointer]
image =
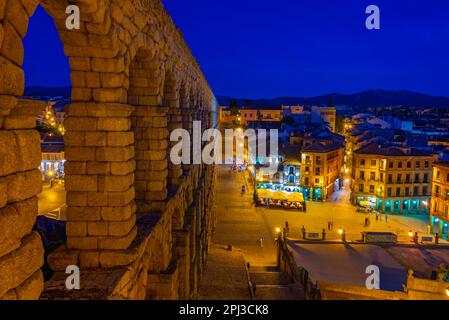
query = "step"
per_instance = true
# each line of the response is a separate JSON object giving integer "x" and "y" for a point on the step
{"x": 269, "y": 278}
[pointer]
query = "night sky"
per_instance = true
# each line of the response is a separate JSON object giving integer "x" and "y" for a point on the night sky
{"x": 261, "y": 48}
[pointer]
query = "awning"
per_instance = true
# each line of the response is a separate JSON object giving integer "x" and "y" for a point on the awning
{"x": 366, "y": 204}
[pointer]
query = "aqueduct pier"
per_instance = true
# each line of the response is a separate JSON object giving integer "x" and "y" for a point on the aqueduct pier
{"x": 137, "y": 225}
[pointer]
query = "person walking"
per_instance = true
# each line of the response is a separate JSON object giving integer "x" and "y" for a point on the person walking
{"x": 261, "y": 242}
{"x": 329, "y": 225}
{"x": 303, "y": 230}
{"x": 324, "y": 234}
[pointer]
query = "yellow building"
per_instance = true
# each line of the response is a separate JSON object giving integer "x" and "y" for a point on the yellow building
{"x": 439, "y": 209}
{"x": 251, "y": 114}
{"x": 395, "y": 180}
{"x": 321, "y": 164}
{"x": 327, "y": 114}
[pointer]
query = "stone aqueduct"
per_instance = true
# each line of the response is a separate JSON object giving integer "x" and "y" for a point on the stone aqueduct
{"x": 137, "y": 226}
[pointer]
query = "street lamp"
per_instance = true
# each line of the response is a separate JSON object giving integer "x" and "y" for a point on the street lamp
{"x": 340, "y": 231}
{"x": 410, "y": 233}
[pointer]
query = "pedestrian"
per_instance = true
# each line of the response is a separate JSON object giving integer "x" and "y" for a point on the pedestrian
{"x": 332, "y": 225}
{"x": 248, "y": 265}
{"x": 324, "y": 234}
{"x": 254, "y": 287}
{"x": 329, "y": 225}
{"x": 287, "y": 227}
{"x": 377, "y": 217}
{"x": 437, "y": 238}
{"x": 261, "y": 242}
{"x": 303, "y": 230}
{"x": 386, "y": 218}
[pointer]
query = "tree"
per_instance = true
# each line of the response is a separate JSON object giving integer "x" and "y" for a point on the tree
{"x": 235, "y": 110}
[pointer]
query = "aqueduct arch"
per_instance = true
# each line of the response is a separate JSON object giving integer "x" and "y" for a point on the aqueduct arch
{"x": 119, "y": 216}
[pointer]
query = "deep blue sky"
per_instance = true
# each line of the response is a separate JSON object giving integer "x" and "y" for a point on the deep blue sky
{"x": 262, "y": 48}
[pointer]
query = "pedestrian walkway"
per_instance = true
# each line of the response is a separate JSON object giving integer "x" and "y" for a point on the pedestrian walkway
{"x": 225, "y": 277}
{"x": 238, "y": 222}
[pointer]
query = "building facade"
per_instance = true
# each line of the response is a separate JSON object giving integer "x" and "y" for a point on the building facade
{"x": 321, "y": 165}
{"x": 439, "y": 208}
{"x": 396, "y": 180}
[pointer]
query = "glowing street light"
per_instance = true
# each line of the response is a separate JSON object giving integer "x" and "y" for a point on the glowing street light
{"x": 410, "y": 234}
{"x": 340, "y": 231}
{"x": 278, "y": 230}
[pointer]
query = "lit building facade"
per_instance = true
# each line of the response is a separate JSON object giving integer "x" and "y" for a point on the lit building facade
{"x": 321, "y": 165}
{"x": 396, "y": 180}
{"x": 327, "y": 114}
{"x": 439, "y": 209}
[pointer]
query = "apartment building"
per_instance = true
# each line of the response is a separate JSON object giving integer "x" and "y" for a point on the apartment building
{"x": 439, "y": 208}
{"x": 321, "y": 164}
{"x": 396, "y": 180}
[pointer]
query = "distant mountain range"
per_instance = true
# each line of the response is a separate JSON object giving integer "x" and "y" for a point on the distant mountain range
{"x": 370, "y": 98}
{"x": 363, "y": 99}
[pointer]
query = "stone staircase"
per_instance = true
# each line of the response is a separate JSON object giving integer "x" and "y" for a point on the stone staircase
{"x": 274, "y": 284}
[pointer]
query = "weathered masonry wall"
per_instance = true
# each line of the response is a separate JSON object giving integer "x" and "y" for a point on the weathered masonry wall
{"x": 138, "y": 226}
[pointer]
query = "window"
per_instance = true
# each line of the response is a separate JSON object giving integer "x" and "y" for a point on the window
{"x": 407, "y": 178}
{"x": 438, "y": 175}
{"x": 390, "y": 178}
{"x": 361, "y": 187}
{"x": 426, "y": 178}
{"x": 307, "y": 169}
{"x": 390, "y": 164}
{"x": 409, "y": 164}
{"x": 425, "y": 191}
{"x": 372, "y": 176}
{"x": 362, "y": 175}
{"x": 371, "y": 189}
{"x": 381, "y": 177}
{"x": 317, "y": 180}
{"x": 426, "y": 164}
{"x": 407, "y": 191}
{"x": 417, "y": 165}
{"x": 306, "y": 181}
{"x": 447, "y": 177}
{"x": 398, "y": 192}
{"x": 415, "y": 191}
{"x": 389, "y": 192}
{"x": 362, "y": 162}
{"x": 437, "y": 190}
{"x": 318, "y": 160}
{"x": 400, "y": 164}
{"x": 399, "y": 178}
{"x": 373, "y": 163}
{"x": 416, "y": 177}
{"x": 317, "y": 171}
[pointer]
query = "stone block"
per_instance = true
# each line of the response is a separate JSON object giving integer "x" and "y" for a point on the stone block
{"x": 83, "y": 213}
{"x": 117, "y": 243}
{"x": 121, "y": 228}
{"x": 12, "y": 78}
{"x": 97, "y": 228}
{"x": 21, "y": 215}
{"x": 9, "y": 157}
{"x": 82, "y": 243}
{"x": 89, "y": 259}
{"x": 29, "y": 149}
{"x": 23, "y": 185}
{"x": 81, "y": 183}
{"x": 22, "y": 263}
{"x": 12, "y": 47}
{"x": 76, "y": 228}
